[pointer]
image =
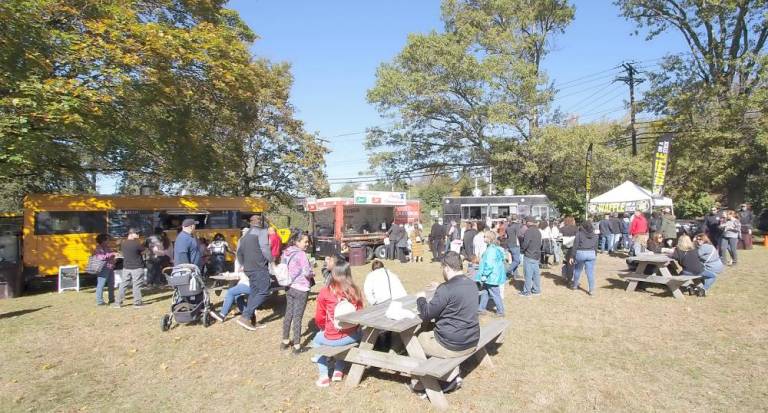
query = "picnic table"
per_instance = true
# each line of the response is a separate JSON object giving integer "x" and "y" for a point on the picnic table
{"x": 660, "y": 274}
{"x": 228, "y": 279}
{"x": 415, "y": 364}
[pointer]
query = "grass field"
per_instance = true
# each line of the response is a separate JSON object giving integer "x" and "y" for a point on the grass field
{"x": 565, "y": 351}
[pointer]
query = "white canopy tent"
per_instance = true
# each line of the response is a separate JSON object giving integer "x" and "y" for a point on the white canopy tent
{"x": 627, "y": 197}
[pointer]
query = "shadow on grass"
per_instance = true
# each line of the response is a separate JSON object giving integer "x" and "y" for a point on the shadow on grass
{"x": 558, "y": 279}
{"x": 21, "y": 312}
{"x": 655, "y": 289}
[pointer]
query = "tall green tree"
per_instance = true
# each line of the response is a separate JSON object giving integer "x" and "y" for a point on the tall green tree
{"x": 451, "y": 94}
{"x": 163, "y": 92}
{"x": 713, "y": 96}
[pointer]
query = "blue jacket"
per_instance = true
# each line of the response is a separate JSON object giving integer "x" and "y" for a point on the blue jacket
{"x": 493, "y": 270}
{"x": 185, "y": 250}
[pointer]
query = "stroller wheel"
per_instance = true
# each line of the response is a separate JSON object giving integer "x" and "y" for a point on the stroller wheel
{"x": 165, "y": 322}
{"x": 207, "y": 321}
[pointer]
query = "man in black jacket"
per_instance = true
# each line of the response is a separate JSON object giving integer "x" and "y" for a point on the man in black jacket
{"x": 437, "y": 240}
{"x": 605, "y": 233}
{"x": 531, "y": 249}
{"x": 468, "y": 239}
{"x": 254, "y": 254}
{"x": 453, "y": 308}
{"x": 615, "y": 232}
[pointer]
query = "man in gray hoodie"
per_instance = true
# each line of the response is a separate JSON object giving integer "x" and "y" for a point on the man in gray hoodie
{"x": 254, "y": 254}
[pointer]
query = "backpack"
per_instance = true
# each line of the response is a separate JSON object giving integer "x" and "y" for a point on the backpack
{"x": 343, "y": 306}
{"x": 282, "y": 274}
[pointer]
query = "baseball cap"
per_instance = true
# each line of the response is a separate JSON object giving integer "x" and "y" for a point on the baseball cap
{"x": 189, "y": 222}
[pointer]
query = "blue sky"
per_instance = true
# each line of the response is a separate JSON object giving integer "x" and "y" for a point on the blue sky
{"x": 335, "y": 46}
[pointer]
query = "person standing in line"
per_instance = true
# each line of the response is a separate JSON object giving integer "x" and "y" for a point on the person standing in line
{"x": 712, "y": 227}
{"x": 340, "y": 292}
{"x": 478, "y": 241}
{"x": 275, "y": 244}
{"x": 568, "y": 231}
{"x": 437, "y": 240}
{"x": 417, "y": 245}
{"x": 731, "y": 230}
{"x": 133, "y": 269}
{"x": 106, "y": 276}
{"x": 513, "y": 244}
{"x": 218, "y": 249}
{"x": 625, "y": 240}
{"x": 531, "y": 250}
{"x": 402, "y": 244}
{"x": 492, "y": 274}
{"x": 746, "y": 217}
{"x": 654, "y": 224}
{"x": 547, "y": 243}
{"x": 185, "y": 250}
{"x": 604, "y": 226}
{"x": 255, "y": 256}
{"x": 469, "y": 236}
{"x": 614, "y": 226}
{"x": 391, "y": 242}
{"x": 584, "y": 255}
{"x": 668, "y": 228}
{"x": 638, "y": 230}
{"x": 300, "y": 271}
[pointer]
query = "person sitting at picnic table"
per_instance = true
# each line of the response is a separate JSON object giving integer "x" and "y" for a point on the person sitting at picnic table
{"x": 453, "y": 310}
{"x": 491, "y": 274}
{"x": 341, "y": 292}
{"x": 711, "y": 261}
{"x": 300, "y": 271}
{"x": 218, "y": 249}
{"x": 656, "y": 243}
{"x": 382, "y": 285}
{"x": 687, "y": 256}
{"x": 328, "y": 264}
{"x": 242, "y": 288}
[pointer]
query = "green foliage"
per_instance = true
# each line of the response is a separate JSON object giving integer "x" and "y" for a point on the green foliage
{"x": 714, "y": 97}
{"x": 692, "y": 207}
{"x": 160, "y": 92}
{"x": 452, "y": 93}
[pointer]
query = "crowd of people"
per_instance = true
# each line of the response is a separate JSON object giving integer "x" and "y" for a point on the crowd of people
{"x": 491, "y": 253}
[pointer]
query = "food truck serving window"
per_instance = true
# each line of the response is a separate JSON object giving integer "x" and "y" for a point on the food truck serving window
{"x": 61, "y": 222}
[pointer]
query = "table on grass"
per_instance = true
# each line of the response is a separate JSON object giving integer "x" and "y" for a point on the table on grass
{"x": 661, "y": 274}
{"x": 373, "y": 322}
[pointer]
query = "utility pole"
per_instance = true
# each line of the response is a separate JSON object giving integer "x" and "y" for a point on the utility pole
{"x": 631, "y": 80}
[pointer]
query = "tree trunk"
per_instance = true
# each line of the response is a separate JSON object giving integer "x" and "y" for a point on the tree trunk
{"x": 736, "y": 191}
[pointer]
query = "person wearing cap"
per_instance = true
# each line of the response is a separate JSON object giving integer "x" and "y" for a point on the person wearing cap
{"x": 255, "y": 255}
{"x": 712, "y": 226}
{"x": 133, "y": 268}
{"x": 668, "y": 228}
{"x": 185, "y": 249}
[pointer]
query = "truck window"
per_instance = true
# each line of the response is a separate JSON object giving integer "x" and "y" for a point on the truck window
{"x": 70, "y": 222}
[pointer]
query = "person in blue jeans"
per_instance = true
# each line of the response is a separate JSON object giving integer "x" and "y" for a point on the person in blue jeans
{"x": 491, "y": 274}
{"x": 242, "y": 288}
{"x": 341, "y": 293}
{"x": 584, "y": 253}
{"x": 531, "y": 249}
{"x": 105, "y": 277}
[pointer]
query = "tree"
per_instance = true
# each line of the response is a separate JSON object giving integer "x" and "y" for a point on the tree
{"x": 163, "y": 92}
{"x": 452, "y": 93}
{"x": 713, "y": 97}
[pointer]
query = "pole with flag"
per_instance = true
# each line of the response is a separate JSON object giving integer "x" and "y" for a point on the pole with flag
{"x": 588, "y": 181}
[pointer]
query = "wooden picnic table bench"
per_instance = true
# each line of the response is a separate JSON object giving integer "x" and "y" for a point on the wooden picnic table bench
{"x": 415, "y": 364}
{"x": 660, "y": 275}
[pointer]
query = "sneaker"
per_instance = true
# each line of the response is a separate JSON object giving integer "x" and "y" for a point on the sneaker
{"x": 536, "y": 294}
{"x": 337, "y": 376}
{"x": 217, "y": 316}
{"x": 454, "y": 385}
{"x": 284, "y": 345}
{"x": 522, "y": 294}
{"x": 591, "y": 293}
{"x": 296, "y": 350}
{"x": 246, "y": 323}
{"x": 139, "y": 305}
{"x": 323, "y": 382}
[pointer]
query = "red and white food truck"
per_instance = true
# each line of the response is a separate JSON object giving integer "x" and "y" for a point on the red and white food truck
{"x": 363, "y": 220}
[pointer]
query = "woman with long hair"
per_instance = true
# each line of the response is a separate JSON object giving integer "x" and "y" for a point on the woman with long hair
{"x": 711, "y": 261}
{"x": 492, "y": 274}
{"x": 687, "y": 256}
{"x": 300, "y": 271}
{"x": 584, "y": 254}
{"x": 106, "y": 276}
{"x": 340, "y": 293}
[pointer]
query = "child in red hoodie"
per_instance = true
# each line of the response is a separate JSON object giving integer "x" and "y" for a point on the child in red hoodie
{"x": 340, "y": 288}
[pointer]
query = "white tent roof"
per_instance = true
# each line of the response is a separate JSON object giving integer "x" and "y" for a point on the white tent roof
{"x": 627, "y": 192}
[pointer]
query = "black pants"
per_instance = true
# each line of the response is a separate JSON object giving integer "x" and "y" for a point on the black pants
{"x": 438, "y": 248}
{"x": 391, "y": 250}
{"x": 402, "y": 254}
{"x": 216, "y": 265}
{"x": 260, "y": 282}
{"x": 296, "y": 303}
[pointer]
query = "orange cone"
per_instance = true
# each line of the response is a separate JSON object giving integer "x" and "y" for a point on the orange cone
{"x": 765, "y": 240}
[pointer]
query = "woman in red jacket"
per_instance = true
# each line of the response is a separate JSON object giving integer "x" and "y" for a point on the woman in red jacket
{"x": 341, "y": 288}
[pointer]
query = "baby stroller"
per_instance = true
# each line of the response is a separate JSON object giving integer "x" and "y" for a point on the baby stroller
{"x": 190, "y": 302}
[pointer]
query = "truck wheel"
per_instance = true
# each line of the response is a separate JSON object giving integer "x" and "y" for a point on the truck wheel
{"x": 380, "y": 252}
{"x": 369, "y": 253}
